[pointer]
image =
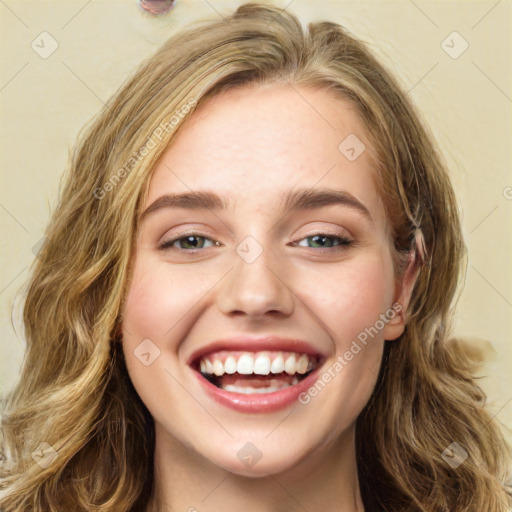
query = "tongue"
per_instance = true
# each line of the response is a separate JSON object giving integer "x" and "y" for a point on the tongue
{"x": 256, "y": 381}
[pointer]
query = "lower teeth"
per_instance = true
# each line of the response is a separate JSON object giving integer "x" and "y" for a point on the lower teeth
{"x": 272, "y": 387}
{"x": 249, "y": 391}
{"x": 260, "y": 390}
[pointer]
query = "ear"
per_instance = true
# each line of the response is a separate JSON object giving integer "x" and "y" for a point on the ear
{"x": 402, "y": 296}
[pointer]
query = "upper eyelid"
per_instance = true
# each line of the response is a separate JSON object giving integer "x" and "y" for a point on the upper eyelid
{"x": 317, "y": 226}
{"x": 316, "y": 232}
{"x": 338, "y": 231}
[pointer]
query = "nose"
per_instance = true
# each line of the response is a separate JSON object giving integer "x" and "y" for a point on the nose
{"x": 257, "y": 289}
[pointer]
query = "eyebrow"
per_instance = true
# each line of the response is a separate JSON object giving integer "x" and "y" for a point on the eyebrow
{"x": 298, "y": 199}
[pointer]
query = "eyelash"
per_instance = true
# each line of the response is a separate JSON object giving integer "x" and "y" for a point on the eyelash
{"x": 344, "y": 242}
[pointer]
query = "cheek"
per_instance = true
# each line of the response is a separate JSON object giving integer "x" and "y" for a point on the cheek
{"x": 351, "y": 296}
{"x": 159, "y": 307}
{"x": 350, "y": 302}
{"x": 367, "y": 292}
{"x": 159, "y": 300}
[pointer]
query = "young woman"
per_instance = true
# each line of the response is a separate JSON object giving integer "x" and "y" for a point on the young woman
{"x": 244, "y": 297}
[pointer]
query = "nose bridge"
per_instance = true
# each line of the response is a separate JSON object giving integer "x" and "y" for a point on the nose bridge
{"x": 257, "y": 283}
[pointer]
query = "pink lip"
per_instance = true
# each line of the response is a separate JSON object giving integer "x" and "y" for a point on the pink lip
{"x": 258, "y": 403}
{"x": 260, "y": 344}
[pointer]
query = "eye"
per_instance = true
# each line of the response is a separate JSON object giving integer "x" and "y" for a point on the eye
{"x": 190, "y": 242}
{"x": 326, "y": 241}
{"x": 195, "y": 241}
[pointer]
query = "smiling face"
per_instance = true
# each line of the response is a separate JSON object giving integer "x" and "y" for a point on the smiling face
{"x": 267, "y": 289}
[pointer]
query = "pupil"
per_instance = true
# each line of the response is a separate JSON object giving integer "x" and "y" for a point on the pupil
{"x": 317, "y": 238}
{"x": 190, "y": 240}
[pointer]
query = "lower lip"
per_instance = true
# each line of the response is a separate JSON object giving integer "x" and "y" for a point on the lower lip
{"x": 258, "y": 403}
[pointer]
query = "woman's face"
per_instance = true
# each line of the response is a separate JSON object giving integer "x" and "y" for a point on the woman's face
{"x": 283, "y": 297}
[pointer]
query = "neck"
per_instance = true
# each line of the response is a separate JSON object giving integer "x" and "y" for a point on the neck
{"x": 324, "y": 480}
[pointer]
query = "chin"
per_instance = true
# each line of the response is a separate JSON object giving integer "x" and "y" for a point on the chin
{"x": 258, "y": 458}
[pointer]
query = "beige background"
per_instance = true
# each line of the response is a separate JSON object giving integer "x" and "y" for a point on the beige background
{"x": 467, "y": 101}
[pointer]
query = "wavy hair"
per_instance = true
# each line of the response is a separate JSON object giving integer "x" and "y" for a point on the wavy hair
{"x": 74, "y": 393}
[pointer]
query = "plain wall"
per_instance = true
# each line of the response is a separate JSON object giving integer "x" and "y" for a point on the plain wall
{"x": 466, "y": 101}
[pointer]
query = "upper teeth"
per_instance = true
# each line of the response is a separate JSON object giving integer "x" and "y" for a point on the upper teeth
{"x": 259, "y": 363}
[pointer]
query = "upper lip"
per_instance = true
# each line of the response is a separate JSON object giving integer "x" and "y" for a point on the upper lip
{"x": 256, "y": 344}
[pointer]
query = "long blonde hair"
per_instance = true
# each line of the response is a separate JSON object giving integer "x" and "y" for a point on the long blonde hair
{"x": 74, "y": 393}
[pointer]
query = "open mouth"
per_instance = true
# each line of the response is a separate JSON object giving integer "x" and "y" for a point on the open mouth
{"x": 255, "y": 372}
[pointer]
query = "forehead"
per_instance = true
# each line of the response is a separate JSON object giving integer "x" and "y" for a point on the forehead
{"x": 252, "y": 144}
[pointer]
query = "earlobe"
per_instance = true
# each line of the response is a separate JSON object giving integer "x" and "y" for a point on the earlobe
{"x": 403, "y": 292}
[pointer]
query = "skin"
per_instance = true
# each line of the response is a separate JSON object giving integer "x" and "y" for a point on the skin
{"x": 250, "y": 146}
